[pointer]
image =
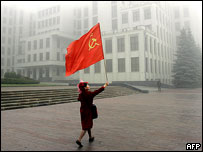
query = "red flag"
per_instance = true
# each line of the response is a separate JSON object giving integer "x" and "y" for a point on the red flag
{"x": 85, "y": 51}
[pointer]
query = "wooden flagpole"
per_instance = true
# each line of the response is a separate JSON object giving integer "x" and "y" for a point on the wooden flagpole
{"x": 103, "y": 54}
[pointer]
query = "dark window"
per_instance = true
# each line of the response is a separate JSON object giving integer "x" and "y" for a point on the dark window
{"x": 125, "y": 18}
{"x": 41, "y": 56}
{"x": 134, "y": 43}
{"x": 114, "y": 11}
{"x": 136, "y": 16}
{"x": 58, "y": 56}
{"x": 108, "y": 46}
{"x": 121, "y": 65}
{"x": 41, "y": 44}
{"x": 47, "y": 42}
{"x": 121, "y": 44}
{"x": 97, "y": 67}
{"x": 29, "y": 45}
{"x": 85, "y": 11}
{"x": 109, "y": 67}
{"x": 47, "y": 55}
{"x": 35, "y": 45}
{"x": 87, "y": 70}
{"x": 114, "y": 24}
{"x": 135, "y": 64}
{"x": 147, "y": 13}
{"x": 146, "y": 65}
{"x": 146, "y": 43}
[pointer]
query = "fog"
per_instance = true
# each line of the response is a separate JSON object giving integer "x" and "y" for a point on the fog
{"x": 36, "y": 35}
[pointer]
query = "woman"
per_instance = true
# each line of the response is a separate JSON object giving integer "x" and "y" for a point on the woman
{"x": 86, "y": 99}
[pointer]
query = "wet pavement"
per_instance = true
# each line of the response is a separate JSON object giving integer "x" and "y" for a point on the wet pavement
{"x": 166, "y": 120}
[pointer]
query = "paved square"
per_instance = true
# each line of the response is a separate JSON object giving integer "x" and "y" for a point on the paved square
{"x": 154, "y": 121}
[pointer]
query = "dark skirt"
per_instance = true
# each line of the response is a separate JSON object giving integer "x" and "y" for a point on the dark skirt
{"x": 86, "y": 118}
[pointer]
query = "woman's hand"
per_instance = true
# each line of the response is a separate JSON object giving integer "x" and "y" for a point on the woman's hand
{"x": 106, "y": 84}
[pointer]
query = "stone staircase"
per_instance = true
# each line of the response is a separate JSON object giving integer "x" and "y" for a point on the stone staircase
{"x": 33, "y": 98}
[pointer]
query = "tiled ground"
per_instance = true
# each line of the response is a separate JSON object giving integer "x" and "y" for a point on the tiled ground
{"x": 154, "y": 121}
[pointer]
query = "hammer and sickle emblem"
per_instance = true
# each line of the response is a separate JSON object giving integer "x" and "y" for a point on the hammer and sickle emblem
{"x": 93, "y": 44}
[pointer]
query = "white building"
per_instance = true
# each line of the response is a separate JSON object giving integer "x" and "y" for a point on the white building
{"x": 139, "y": 40}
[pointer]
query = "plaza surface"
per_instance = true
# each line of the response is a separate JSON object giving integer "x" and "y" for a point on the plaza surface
{"x": 166, "y": 120}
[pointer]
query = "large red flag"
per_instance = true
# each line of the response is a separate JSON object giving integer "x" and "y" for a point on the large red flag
{"x": 85, "y": 51}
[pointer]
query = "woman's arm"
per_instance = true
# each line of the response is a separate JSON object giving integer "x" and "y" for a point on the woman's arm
{"x": 96, "y": 92}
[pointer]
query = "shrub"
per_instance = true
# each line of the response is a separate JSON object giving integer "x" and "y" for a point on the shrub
{"x": 18, "y": 81}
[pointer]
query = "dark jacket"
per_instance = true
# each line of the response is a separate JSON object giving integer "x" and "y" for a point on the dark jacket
{"x": 86, "y": 99}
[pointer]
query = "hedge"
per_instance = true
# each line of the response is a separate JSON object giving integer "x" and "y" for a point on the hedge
{"x": 19, "y": 81}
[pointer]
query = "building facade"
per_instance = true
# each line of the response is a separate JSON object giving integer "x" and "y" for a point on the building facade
{"x": 139, "y": 40}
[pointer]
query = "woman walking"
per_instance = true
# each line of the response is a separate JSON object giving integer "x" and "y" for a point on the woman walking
{"x": 86, "y": 99}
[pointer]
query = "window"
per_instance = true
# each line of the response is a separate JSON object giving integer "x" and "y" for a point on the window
{"x": 108, "y": 46}
{"x": 87, "y": 70}
{"x": 121, "y": 44}
{"x": 9, "y": 51}
{"x": 155, "y": 66}
{"x": 3, "y": 39}
{"x": 29, "y": 45}
{"x": 79, "y": 24}
{"x": 8, "y": 62}
{"x": 58, "y": 43}
{"x": 154, "y": 46}
{"x": 47, "y": 55}
{"x": 86, "y": 23}
{"x": 121, "y": 65}
{"x": 136, "y": 16}
{"x": 125, "y": 18}
{"x": 47, "y": 42}
{"x": 97, "y": 67}
{"x": 58, "y": 56}
{"x": 176, "y": 13}
{"x": 50, "y": 22}
{"x": 134, "y": 44}
{"x": 34, "y": 57}
{"x": 39, "y": 26}
{"x": 187, "y": 24}
{"x": 135, "y": 64}
{"x": 35, "y": 45}
{"x": 114, "y": 24}
{"x": 109, "y": 67}
{"x": 2, "y": 61}
{"x": 95, "y": 20}
{"x": 9, "y": 31}
{"x": 58, "y": 8}
{"x": 79, "y": 13}
{"x": 95, "y": 7}
{"x": 85, "y": 12}
{"x": 146, "y": 44}
{"x": 147, "y": 13}
{"x": 146, "y": 64}
{"x": 150, "y": 45}
{"x": 186, "y": 12}
{"x": 41, "y": 44}
{"x": 151, "y": 65}
{"x": 47, "y": 72}
{"x": 41, "y": 56}
{"x": 54, "y": 10}
{"x": 54, "y": 20}
{"x": 9, "y": 40}
{"x": 2, "y": 50}
{"x": 58, "y": 19}
{"x": 29, "y": 58}
{"x": 4, "y": 20}
{"x": 177, "y": 26}
{"x": 4, "y": 29}
{"x": 114, "y": 11}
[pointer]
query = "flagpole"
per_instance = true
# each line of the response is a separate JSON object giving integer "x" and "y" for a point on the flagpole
{"x": 103, "y": 54}
{"x": 105, "y": 70}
